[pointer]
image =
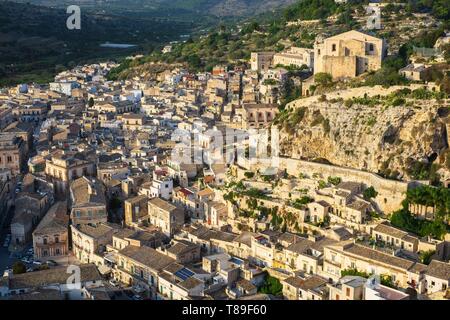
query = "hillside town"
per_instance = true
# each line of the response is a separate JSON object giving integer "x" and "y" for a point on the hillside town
{"x": 192, "y": 186}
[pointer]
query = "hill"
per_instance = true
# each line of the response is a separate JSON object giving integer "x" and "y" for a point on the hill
{"x": 177, "y": 8}
{"x": 408, "y": 24}
{"x": 35, "y": 42}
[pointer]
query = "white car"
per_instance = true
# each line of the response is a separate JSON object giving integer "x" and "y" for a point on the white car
{"x": 37, "y": 262}
{"x": 113, "y": 282}
{"x": 7, "y": 272}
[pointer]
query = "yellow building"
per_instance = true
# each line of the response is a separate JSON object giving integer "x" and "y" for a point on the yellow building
{"x": 348, "y": 54}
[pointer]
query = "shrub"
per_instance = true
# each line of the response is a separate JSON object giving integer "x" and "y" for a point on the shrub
{"x": 18, "y": 268}
{"x": 369, "y": 193}
{"x": 249, "y": 174}
{"x": 271, "y": 286}
{"x": 334, "y": 180}
{"x": 323, "y": 79}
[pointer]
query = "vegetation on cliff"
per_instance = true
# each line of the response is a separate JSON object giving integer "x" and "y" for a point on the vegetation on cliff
{"x": 437, "y": 197}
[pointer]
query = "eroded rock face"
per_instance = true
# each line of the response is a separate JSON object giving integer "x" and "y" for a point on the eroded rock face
{"x": 372, "y": 138}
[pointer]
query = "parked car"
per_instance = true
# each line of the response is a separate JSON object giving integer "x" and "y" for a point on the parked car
{"x": 37, "y": 262}
{"x": 25, "y": 260}
{"x": 137, "y": 297}
{"x": 7, "y": 272}
{"x": 114, "y": 283}
{"x": 51, "y": 263}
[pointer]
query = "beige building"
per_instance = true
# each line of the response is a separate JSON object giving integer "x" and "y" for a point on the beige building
{"x": 135, "y": 209}
{"x": 416, "y": 72}
{"x": 258, "y": 116}
{"x": 177, "y": 282}
{"x": 140, "y": 266}
{"x": 261, "y": 61}
{"x": 12, "y": 152}
{"x": 88, "y": 201}
{"x": 394, "y": 237}
{"x": 349, "y": 255}
{"x": 437, "y": 277}
{"x": 165, "y": 215}
{"x": 89, "y": 242}
{"x": 359, "y": 288}
{"x": 311, "y": 288}
{"x": 51, "y": 236}
{"x": 296, "y": 57}
{"x": 62, "y": 168}
{"x": 132, "y": 121}
{"x": 181, "y": 251}
{"x": 348, "y": 54}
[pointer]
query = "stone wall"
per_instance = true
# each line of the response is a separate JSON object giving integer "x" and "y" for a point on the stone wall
{"x": 390, "y": 192}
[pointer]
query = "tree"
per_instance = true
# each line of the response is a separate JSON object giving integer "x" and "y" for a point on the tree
{"x": 370, "y": 193}
{"x": 323, "y": 79}
{"x": 334, "y": 180}
{"x": 425, "y": 256}
{"x": 271, "y": 286}
{"x": 18, "y": 268}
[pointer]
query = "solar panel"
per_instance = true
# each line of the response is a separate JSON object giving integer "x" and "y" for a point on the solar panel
{"x": 236, "y": 261}
{"x": 184, "y": 273}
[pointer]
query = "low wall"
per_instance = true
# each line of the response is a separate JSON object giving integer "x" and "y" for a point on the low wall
{"x": 390, "y": 192}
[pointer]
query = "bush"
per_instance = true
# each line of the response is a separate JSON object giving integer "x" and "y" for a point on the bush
{"x": 271, "y": 286}
{"x": 369, "y": 193}
{"x": 249, "y": 174}
{"x": 18, "y": 268}
{"x": 323, "y": 79}
{"x": 334, "y": 180}
{"x": 425, "y": 256}
{"x": 322, "y": 184}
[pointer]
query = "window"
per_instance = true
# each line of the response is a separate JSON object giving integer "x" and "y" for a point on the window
{"x": 56, "y": 239}
{"x": 45, "y": 240}
{"x": 347, "y": 292}
{"x": 333, "y": 47}
{"x": 371, "y": 48}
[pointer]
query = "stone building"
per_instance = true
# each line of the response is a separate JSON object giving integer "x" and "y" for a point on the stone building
{"x": 258, "y": 115}
{"x": 165, "y": 216}
{"x": 62, "y": 168}
{"x": 12, "y": 152}
{"x": 348, "y": 54}
{"x": 51, "y": 236}
{"x": 295, "y": 57}
{"x": 261, "y": 61}
{"x": 135, "y": 209}
{"x": 88, "y": 201}
{"x": 416, "y": 72}
{"x": 89, "y": 242}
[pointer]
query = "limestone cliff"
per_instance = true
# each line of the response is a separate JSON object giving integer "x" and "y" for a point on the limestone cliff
{"x": 373, "y": 129}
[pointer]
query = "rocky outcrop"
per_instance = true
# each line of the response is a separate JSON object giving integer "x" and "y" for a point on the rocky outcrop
{"x": 377, "y": 137}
